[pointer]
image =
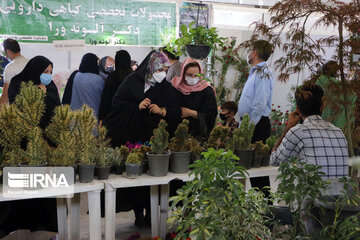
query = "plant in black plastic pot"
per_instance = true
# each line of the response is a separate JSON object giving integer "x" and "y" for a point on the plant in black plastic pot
{"x": 158, "y": 158}
{"x": 133, "y": 163}
{"x": 119, "y": 157}
{"x": 196, "y": 41}
{"x": 180, "y": 150}
{"x": 240, "y": 143}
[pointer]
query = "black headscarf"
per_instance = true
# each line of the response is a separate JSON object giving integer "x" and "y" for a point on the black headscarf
{"x": 32, "y": 71}
{"x": 122, "y": 60}
{"x": 125, "y": 122}
{"x": 89, "y": 64}
{"x": 114, "y": 80}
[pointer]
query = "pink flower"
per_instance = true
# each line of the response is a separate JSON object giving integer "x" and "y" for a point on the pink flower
{"x": 279, "y": 123}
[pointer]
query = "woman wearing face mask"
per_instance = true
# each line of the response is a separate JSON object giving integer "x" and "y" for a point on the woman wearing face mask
{"x": 39, "y": 71}
{"x": 141, "y": 101}
{"x": 106, "y": 66}
{"x": 114, "y": 80}
{"x": 33, "y": 214}
{"x": 197, "y": 99}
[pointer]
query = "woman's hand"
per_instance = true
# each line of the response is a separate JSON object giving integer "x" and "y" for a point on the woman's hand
{"x": 42, "y": 87}
{"x": 155, "y": 109}
{"x": 187, "y": 112}
{"x": 144, "y": 104}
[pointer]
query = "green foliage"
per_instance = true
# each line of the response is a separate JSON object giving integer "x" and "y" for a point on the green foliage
{"x": 197, "y": 36}
{"x": 299, "y": 182}
{"x": 159, "y": 141}
{"x": 348, "y": 228}
{"x": 271, "y": 141}
{"x": 215, "y": 204}
{"x": 179, "y": 141}
{"x": 134, "y": 158}
{"x": 241, "y": 139}
{"x": 217, "y": 137}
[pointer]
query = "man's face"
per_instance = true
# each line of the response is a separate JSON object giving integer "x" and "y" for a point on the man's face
{"x": 250, "y": 57}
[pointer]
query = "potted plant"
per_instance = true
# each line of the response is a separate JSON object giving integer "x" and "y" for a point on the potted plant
{"x": 270, "y": 143}
{"x": 86, "y": 167}
{"x": 217, "y": 137}
{"x": 215, "y": 205}
{"x": 196, "y": 41}
{"x": 158, "y": 158}
{"x": 258, "y": 155}
{"x": 103, "y": 162}
{"x": 133, "y": 162}
{"x": 119, "y": 159}
{"x": 195, "y": 149}
{"x": 180, "y": 152}
{"x": 240, "y": 142}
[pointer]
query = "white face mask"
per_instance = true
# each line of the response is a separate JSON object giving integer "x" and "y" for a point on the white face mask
{"x": 248, "y": 58}
{"x": 159, "y": 77}
{"x": 192, "y": 81}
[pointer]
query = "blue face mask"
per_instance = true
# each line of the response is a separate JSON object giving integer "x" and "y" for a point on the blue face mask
{"x": 45, "y": 78}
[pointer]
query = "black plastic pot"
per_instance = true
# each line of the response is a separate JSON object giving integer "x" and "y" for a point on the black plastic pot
{"x": 132, "y": 170}
{"x": 86, "y": 173}
{"x": 120, "y": 169}
{"x": 102, "y": 172}
{"x": 179, "y": 162}
{"x": 158, "y": 164}
{"x": 265, "y": 160}
{"x": 76, "y": 171}
{"x": 246, "y": 157}
{"x": 256, "y": 163}
{"x": 198, "y": 51}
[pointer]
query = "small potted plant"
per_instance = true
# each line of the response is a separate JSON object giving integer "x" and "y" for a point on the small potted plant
{"x": 195, "y": 149}
{"x": 260, "y": 151}
{"x": 217, "y": 138}
{"x": 103, "y": 162}
{"x": 270, "y": 143}
{"x": 86, "y": 167}
{"x": 180, "y": 151}
{"x": 119, "y": 159}
{"x": 158, "y": 158}
{"x": 240, "y": 143}
{"x": 133, "y": 162}
{"x": 196, "y": 41}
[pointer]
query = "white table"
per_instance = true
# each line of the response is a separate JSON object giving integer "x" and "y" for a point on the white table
{"x": 93, "y": 189}
{"x": 159, "y": 216}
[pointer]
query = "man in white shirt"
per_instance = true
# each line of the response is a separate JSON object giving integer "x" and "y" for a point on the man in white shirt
{"x": 16, "y": 65}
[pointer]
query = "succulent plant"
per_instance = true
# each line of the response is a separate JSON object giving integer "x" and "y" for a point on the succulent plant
{"x": 134, "y": 158}
{"x": 241, "y": 139}
{"x": 271, "y": 141}
{"x": 120, "y": 155}
{"x": 179, "y": 141}
{"x": 160, "y": 139}
{"x": 217, "y": 137}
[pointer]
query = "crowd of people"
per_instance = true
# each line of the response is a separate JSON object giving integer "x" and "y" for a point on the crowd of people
{"x": 130, "y": 100}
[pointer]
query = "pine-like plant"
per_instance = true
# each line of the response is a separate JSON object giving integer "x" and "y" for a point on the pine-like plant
{"x": 179, "y": 141}
{"x": 159, "y": 141}
{"x": 217, "y": 137}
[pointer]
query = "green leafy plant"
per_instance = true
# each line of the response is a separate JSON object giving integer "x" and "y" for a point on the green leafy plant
{"x": 217, "y": 137}
{"x": 215, "y": 204}
{"x": 241, "y": 139}
{"x": 179, "y": 142}
{"x": 159, "y": 141}
{"x": 199, "y": 35}
{"x": 299, "y": 182}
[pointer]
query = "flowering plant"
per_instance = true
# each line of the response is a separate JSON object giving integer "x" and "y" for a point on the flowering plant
{"x": 137, "y": 145}
{"x": 278, "y": 120}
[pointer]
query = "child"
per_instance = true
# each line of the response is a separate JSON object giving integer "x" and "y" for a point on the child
{"x": 228, "y": 111}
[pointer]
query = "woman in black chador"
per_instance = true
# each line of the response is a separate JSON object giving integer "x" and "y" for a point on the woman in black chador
{"x": 141, "y": 101}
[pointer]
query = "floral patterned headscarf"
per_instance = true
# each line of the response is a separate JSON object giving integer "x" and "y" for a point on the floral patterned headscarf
{"x": 157, "y": 61}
